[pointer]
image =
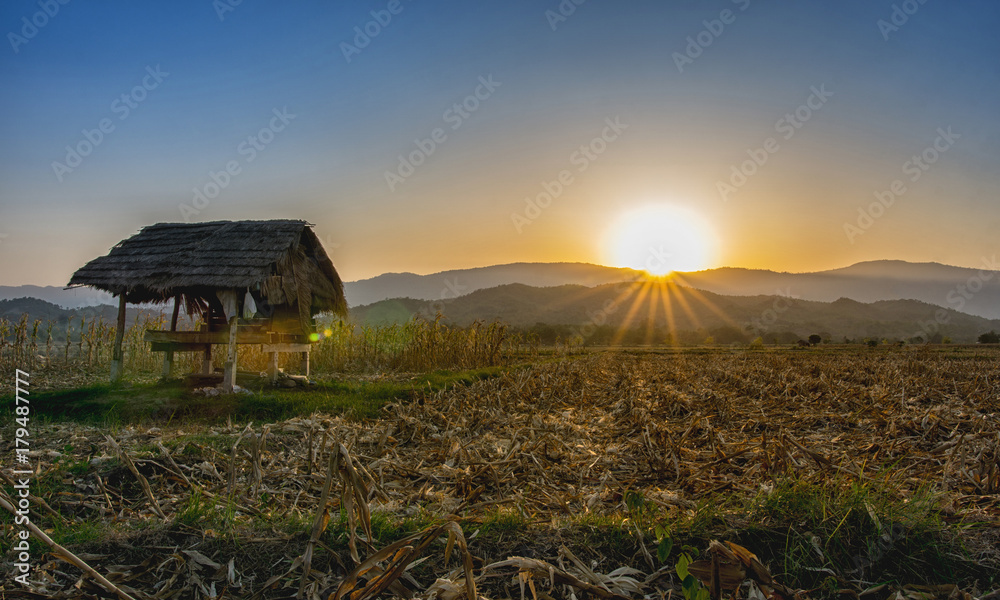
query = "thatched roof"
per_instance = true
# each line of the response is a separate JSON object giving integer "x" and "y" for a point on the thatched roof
{"x": 283, "y": 260}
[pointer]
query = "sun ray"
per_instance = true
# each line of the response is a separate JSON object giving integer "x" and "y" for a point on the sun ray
{"x": 710, "y": 305}
{"x": 687, "y": 307}
{"x": 668, "y": 309}
{"x": 630, "y": 290}
{"x": 642, "y": 292}
{"x": 656, "y": 290}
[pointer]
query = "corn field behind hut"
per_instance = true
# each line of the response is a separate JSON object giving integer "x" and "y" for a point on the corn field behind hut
{"x": 342, "y": 347}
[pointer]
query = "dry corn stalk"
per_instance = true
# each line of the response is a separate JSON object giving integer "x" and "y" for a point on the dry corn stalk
{"x": 398, "y": 557}
{"x": 142, "y": 480}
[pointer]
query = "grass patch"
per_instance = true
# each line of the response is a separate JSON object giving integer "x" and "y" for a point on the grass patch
{"x": 863, "y": 529}
{"x": 161, "y": 403}
{"x": 503, "y": 520}
{"x": 361, "y": 400}
{"x": 109, "y": 405}
{"x": 78, "y": 533}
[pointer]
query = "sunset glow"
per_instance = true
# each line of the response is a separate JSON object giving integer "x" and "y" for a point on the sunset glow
{"x": 660, "y": 239}
{"x": 786, "y": 135}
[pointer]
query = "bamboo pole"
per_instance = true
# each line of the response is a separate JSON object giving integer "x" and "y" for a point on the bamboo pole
{"x": 272, "y": 366}
{"x": 168, "y": 356}
{"x": 229, "y": 379}
{"x": 66, "y": 555}
{"x": 117, "y": 362}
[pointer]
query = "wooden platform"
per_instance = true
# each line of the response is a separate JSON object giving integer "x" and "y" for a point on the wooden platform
{"x": 190, "y": 341}
{"x": 273, "y": 343}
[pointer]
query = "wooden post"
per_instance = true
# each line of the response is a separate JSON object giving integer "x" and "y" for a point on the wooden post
{"x": 272, "y": 366}
{"x": 117, "y": 362}
{"x": 206, "y": 360}
{"x": 168, "y": 356}
{"x": 305, "y": 363}
{"x": 229, "y": 379}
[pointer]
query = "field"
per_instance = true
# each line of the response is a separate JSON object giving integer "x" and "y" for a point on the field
{"x": 849, "y": 472}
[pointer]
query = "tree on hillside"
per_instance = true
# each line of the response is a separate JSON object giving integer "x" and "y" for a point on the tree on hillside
{"x": 815, "y": 339}
{"x": 990, "y": 338}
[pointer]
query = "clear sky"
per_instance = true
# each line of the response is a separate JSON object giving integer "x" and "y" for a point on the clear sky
{"x": 411, "y": 132}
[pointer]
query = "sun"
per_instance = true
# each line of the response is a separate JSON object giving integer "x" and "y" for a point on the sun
{"x": 660, "y": 239}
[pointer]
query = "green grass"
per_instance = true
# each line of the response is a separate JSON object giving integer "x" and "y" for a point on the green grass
{"x": 161, "y": 403}
{"x": 800, "y": 529}
{"x": 388, "y": 528}
{"x": 78, "y": 533}
{"x": 108, "y": 405}
{"x": 863, "y": 528}
{"x": 503, "y": 520}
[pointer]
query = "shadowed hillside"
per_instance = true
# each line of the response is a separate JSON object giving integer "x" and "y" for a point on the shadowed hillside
{"x": 660, "y": 310}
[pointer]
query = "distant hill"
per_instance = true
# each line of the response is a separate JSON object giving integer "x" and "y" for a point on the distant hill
{"x": 615, "y": 306}
{"x": 75, "y": 298}
{"x": 973, "y": 291}
{"x": 46, "y": 312}
{"x": 967, "y": 290}
{"x": 451, "y": 284}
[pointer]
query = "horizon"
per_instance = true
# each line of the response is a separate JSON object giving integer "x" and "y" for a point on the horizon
{"x": 423, "y": 139}
{"x": 958, "y": 289}
{"x": 645, "y": 273}
{"x": 854, "y": 264}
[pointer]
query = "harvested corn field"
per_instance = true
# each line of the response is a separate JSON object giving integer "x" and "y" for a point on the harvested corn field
{"x": 609, "y": 475}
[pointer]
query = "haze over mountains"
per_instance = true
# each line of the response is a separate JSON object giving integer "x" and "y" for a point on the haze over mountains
{"x": 691, "y": 314}
{"x": 75, "y": 298}
{"x": 972, "y": 291}
{"x": 452, "y": 284}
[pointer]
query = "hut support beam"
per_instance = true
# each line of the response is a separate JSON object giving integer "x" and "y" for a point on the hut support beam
{"x": 168, "y": 356}
{"x": 272, "y": 366}
{"x": 305, "y": 364}
{"x": 117, "y": 362}
{"x": 206, "y": 360}
{"x": 229, "y": 378}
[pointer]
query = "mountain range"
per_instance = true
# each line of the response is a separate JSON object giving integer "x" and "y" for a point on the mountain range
{"x": 973, "y": 291}
{"x": 61, "y": 319}
{"x": 650, "y": 312}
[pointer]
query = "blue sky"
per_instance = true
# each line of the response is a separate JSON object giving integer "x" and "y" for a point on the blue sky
{"x": 554, "y": 83}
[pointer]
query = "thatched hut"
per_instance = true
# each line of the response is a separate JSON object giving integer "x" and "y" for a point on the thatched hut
{"x": 274, "y": 274}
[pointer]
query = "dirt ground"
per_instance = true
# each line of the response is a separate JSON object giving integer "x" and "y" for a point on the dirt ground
{"x": 573, "y": 461}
